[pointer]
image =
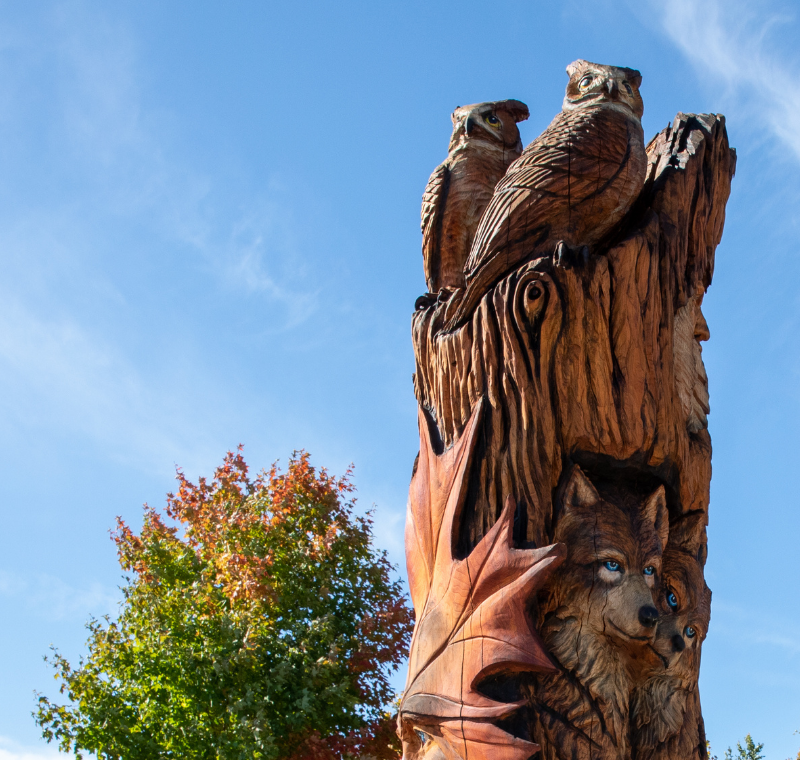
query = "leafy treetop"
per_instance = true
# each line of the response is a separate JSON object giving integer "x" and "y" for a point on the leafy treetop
{"x": 257, "y": 621}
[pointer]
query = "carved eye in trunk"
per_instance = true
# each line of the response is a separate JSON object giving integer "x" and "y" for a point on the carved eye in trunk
{"x": 535, "y": 298}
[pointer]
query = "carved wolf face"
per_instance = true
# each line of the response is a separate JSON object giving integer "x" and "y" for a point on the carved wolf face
{"x": 613, "y": 563}
{"x": 685, "y": 605}
{"x": 659, "y": 704}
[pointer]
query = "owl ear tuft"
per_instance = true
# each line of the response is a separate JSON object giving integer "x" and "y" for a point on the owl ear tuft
{"x": 516, "y": 108}
{"x": 633, "y": 76}
{"x": 576, "y": 66}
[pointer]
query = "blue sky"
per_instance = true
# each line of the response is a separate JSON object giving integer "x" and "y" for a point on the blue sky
{"x": 209, "y": 236}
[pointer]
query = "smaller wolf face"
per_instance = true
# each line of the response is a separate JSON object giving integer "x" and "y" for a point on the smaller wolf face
{"x": 658, "y": 706}
{"x": 614, "y": 561}
{"x": 685, "y": 606}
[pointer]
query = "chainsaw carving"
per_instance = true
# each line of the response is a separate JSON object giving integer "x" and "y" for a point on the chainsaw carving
{"x": 564, "y": 401}
{"x": 572, "y": 184}
{"x": 663, "y": 725}
{"x": 691, "y": 380}
{"x": 485, "y": 141}
{"x": 472, "y": 619}
{"x": 598, "y": 616}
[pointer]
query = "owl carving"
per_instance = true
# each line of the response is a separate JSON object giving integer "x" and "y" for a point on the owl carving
{"x": 484, "y": 142}
{"x": 574, "y": 183}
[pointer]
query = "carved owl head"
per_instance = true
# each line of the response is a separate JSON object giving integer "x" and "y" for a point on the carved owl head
{"x": 593, "y": 84}
{"x": 494, "y": 122}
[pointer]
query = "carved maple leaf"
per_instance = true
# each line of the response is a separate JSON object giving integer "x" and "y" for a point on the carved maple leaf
{"x": 472, "y": 618}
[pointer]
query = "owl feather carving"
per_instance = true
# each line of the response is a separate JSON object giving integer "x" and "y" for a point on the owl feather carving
{"x": 484, "y": 142}
{"x": 574, "y": 183}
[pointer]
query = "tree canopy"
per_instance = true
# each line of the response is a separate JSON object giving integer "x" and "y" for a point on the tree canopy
{"x": 257, "y": 621}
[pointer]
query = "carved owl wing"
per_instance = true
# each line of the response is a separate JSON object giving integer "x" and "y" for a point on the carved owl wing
{"x": 433, "y": 200}
{"x": 573, "y": 183}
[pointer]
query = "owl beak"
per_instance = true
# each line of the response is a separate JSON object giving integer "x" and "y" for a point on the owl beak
{"x": 612, "y": 87}
{"x": 469, "y": 125}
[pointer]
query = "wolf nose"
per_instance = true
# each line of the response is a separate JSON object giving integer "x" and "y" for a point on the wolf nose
{"x": 678, "y": 644}
{"x": 648, "y": 616}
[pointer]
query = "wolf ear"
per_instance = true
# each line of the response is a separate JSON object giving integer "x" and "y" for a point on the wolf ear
{"x": 578, "y": 492}
{"x": 655, "y": 511}
{"x": 689, "y": 534}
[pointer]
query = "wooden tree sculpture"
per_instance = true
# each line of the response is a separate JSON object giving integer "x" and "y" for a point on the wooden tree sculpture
{"x": 566, "y": 376}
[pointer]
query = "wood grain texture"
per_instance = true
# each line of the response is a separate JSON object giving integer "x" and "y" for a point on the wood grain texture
{"x": 592, "y": 357}
{"x": 574, "y": 183}
{"x": 484, "y": 142}
{"x": 472, "y": 616}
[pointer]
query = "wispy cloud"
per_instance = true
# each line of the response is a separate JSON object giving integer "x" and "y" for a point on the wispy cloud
{"x": 10, "y": 750}
{"x": 732, "y": 44}
{"x": 254, "y": 240}
{"x": 57, "y": 372}
{"x": 49, "y": 598}
{"x": 115, "y": 165}
{"x": 762, "y": 628}
{"x": 133, "y": 157}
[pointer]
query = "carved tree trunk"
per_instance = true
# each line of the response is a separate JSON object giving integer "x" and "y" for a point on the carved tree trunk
{"x": 593, "y": 359}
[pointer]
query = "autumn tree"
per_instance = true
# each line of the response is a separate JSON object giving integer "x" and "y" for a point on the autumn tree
{"x": 257, "y": 621}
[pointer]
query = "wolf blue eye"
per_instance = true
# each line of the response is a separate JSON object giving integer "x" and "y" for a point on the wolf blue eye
{"x": 649, "y": 570}
{"x": 690, "y": 632}
{"x": 612, "y": 565}
{"x": 672, "y": 600}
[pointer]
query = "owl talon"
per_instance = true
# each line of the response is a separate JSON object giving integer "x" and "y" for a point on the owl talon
{"x": 425, "y": 301}
{"x": 563, "y": 255}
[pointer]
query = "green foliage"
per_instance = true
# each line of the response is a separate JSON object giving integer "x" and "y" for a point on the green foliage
{"x": 257, "y": 622}
{"x": 750, "y": 751}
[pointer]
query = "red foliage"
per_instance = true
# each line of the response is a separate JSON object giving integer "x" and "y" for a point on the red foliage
{"x": 253, "y": 540}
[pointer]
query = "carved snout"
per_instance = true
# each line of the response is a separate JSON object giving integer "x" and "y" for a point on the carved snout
{"x": 648, "y": 616}
{"x": 631, "y": 609}
{"x": 669, "y": 642}
{"x": 678, "y": 644}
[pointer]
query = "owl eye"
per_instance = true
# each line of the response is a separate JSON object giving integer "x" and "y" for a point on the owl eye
{"x": 690, "y": 632}
{"x": 586, "y": 81}
{"x": 628, "y": 88}
{"x": 492, "y": 119}
{"x": 672, "y": 600}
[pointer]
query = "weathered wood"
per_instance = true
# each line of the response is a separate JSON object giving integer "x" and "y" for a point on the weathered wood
{"x": 591, "y": 357}
{"x": 484, "y": 142}
{"x": 472, "y": 617}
